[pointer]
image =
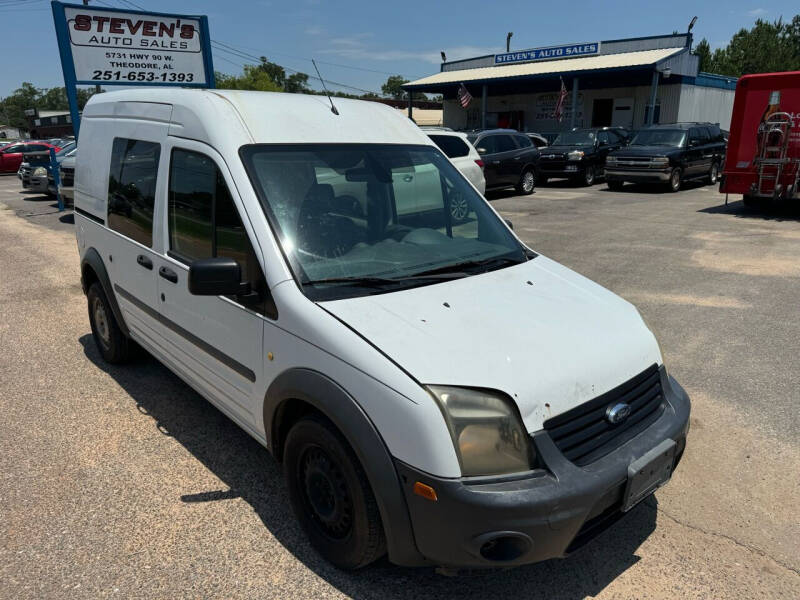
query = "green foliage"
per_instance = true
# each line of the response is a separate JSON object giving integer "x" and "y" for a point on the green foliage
{"x": 13, "y": 106}
{"x": 264, "y": 77}
{"x": 394, "y": 87}
{"x": 765, "y": 48}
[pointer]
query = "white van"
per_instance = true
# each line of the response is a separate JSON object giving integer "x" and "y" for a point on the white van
{"x": 434, "y": 390}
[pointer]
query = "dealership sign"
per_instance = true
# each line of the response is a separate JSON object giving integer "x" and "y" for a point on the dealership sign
{"x": 548, "y": 53}
{"x": 111, "y": 46}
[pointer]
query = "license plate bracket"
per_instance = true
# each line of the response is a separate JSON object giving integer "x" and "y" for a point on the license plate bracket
{"x": 648, "y": 473}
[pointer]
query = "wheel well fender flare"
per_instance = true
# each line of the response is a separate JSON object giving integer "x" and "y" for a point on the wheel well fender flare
{"x": 326, "y": 396}
{"x": 93, "y": 263}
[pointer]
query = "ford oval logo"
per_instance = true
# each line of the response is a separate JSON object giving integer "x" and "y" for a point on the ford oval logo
{"x": 617, "y": 413}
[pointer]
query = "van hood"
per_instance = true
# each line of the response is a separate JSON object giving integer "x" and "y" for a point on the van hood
{"x": 547, "y": 337}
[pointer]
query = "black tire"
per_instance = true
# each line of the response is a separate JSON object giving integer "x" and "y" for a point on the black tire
{"x": 713, "y": 173}
{"x": 527, "y": 182}
{"x": 615, "y": 185}
{"x": 675, "y": 180}
{"x": 114, "y": 346}
{"x": 330, "y": 495}
{"x": 588, "y": 176}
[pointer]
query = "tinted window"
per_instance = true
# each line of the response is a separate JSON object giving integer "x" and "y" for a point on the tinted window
{"x": 523, "y": 141}
{"x": 615, "y": 137}
{"x": 14, "y": 149}
{"x": 453, "y": 146}
{"x": 36, "y": 148}
{"x": 488, "y": 144}
{"x": 132, "y": 188}
{"x": 704, "y": 136}
{"x": 715, "y": 132}
{"x": 203, "y": 220}
{"x": 539, "y": 142}
{"x": 602, "y": 137}
{"x": 505, "y": 143}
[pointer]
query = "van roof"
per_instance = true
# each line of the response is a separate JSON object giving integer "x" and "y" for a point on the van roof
{"x": 247, "y": 117}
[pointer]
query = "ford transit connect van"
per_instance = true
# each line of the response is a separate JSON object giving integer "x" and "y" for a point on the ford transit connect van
{"x": 435, "y": 391}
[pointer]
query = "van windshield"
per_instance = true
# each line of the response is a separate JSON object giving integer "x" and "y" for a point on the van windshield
{"x": 355, "y": 219}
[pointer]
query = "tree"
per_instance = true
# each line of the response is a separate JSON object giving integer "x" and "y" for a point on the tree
{"x": 296, "y": 83}
{"x": 13, "y": 107}
{"x": 394, "y": 87}
{"x": 253, "y": 78}
{"x": 703, "y": 51}
{"x": 766, "y": 47}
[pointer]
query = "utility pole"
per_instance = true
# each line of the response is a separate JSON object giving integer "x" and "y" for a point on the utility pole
{"x": 97, "y": 86}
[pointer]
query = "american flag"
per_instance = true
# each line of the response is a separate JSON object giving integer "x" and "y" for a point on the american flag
{"x": 558, "y": 113}
{"x": 464, "y": 97}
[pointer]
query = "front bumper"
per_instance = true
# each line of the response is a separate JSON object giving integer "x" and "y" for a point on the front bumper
{"x": 638, "y": 176}
{"x": 575, "y": 169}
{"x": 546, "y": 514}
{"x": 36, "y": 184}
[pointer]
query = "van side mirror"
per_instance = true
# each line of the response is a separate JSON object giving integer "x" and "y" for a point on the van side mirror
{"x": 216, "y": 277}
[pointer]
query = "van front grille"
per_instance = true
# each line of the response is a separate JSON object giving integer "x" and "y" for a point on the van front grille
{"x": 584, "y": 434}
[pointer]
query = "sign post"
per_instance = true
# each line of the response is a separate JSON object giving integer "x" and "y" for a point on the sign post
{"x": 113, "y": 46}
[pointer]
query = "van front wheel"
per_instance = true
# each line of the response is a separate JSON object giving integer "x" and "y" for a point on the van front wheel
{"x": 330, "y": 495}
{"x": 114, "y": 346}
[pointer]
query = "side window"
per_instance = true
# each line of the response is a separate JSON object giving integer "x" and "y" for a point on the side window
{"x": 694, "y": 136}
{"x": 705, "y": 138}
{"x": 602, "y": 137}
{"x": 489, "y": 144}
{"x": 132, "y": 188}
{"x": 202, "y": 219}
{"x": 505, "y": 143}
{"x": 452, "y": 146}
{"x": 614, "y": 137}
{"x": 716, "y": 134}
{"x": 36, "y": 148}
{"x": 523, "y": 141}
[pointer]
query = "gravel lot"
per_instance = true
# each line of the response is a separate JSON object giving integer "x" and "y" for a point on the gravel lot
{"x": 124, "y": 482}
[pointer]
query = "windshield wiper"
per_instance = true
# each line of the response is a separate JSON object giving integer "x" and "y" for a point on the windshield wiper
{"x": 371, "y": 281}
{"x": 458, "y": 267}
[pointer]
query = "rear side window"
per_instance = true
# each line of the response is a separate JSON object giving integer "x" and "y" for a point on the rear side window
{"x": 487, "y": 145}
{"x": 452, "y": 145}
{"x": 36, "y": 148}
{"x": 715, "y": 132}
{"x": 132, "y": 188}
{"x": 505, "y": 143}
{"x": 203, "y": 220}
{"x": 704, "y": 135}
{"x": 524, "y": 141}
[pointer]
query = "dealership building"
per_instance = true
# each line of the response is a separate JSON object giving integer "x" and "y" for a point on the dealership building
{"x": 628, "y": 83}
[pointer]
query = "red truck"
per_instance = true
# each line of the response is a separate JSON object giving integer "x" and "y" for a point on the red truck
{"x": 763, "y": 157}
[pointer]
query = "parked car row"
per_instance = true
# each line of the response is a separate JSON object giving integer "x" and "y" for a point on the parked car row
{"x": 669, "y": 154}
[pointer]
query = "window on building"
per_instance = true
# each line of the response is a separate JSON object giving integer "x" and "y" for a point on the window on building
{"x": 452, "y": 146}
{"x": 656, "y": 114}
{"x": 131, "y": 188}
{"x": 203, "y": 221}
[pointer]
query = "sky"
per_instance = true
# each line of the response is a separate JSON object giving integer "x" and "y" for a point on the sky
{"x": 361, "y": 43}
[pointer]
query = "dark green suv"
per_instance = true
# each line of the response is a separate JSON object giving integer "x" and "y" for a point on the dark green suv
{"x": 669, "y": 155}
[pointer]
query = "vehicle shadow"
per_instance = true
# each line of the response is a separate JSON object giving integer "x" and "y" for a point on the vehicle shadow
{"x": 784, "y": 211}
{"x": 505, "y": 193}
{"x": 655, "y": 188}
{"x": 250, "y": 473}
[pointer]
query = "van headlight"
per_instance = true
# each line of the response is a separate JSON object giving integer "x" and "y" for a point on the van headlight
{"x": 575, "y": 155}
{"x": 487, "y": 431}
{"x": 39, "y": 172}
{"x": 659, "y": 162}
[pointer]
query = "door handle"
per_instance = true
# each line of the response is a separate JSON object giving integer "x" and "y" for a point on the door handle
{"x": 168, "y": 274}
{"x": 145, "y": 262}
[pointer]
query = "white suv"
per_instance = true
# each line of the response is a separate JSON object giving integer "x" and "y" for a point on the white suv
{"x": 434, "y": 389}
